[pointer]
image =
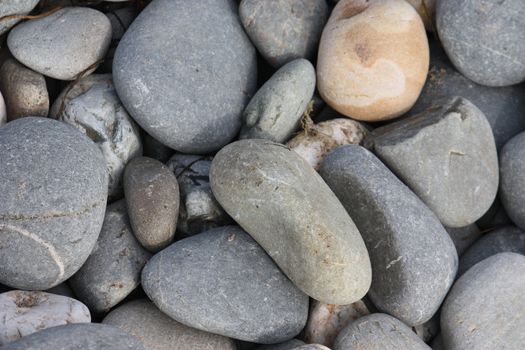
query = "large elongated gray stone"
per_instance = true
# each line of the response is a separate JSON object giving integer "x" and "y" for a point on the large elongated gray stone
{"x": 283, "y": 203}
{"x": 414, "y": 261}
{"x": 222, "y": 281}
{"x": 185, "y": 70}
{"x": 512, "y": 173}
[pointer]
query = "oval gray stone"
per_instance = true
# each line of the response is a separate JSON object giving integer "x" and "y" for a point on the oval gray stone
{"x": 63, "y": 44}
{"x": 512, "y": 186}
{"x": 157, "y": 331}
{"x": 18, "y": 7}
{"x": 281, "y": 201}
{"x": 484, "y": 309}
{"x": 183, "y": 80}
{"x": 447, "y": 156}
{"x": 52, "y": 201}
{"x": 113, "y": 269}
{"x": 414, "y": 261}
{"x": 221, "y": 281}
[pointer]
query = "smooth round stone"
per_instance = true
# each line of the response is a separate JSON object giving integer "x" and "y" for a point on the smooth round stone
{"x": 447, "y": 156}
{"x": 463, "y": 237}
{"x": 63, "y": 44}
{"x": 276, "y": 109}
{"x": 484, "y": 39}
{"x": 505, "y": 239}
{"x": 157, "y": 331}
{"x": 52, "y": 201}
{"x": 113, "y": 269}
{"x": 23, "y": 313}
{"x": 221, "y": 281}
{"x": 284, "y": 30}
{"x": 18, "y": 7}
{"x": 373, "y": 59}
{"x": 512, "y": 185}
{"x": 152, "y": 198}
{"x": 378, "y": 332}
{"x": 484, "y": 309}
{"x": 24, "y": 90}
{"x": 183, "y": 80}
{"x": 287, "y": 345}
{"x": 93, "y": 107}
{"x": 282, "y": 202}
{"x": 3, "y": 111}
{"x": 414, "y": 261}
{"x": 91, "y": 336}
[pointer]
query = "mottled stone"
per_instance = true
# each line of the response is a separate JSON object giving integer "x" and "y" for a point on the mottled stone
{"x": 221, "y": 281}
{"x": 184, "y": 81}
{"x": 52, "y": 201}
{"x": 447, "y": 156}
{"x": 18, "y": 7}
{"x": 287, "y": 345}
{"x": 157, "y": 331}
{"x": 512, "y": 185}
{"x": 484, "y": 309}
{"x": 463, "y": 237}
{"x": 414, "y": 261}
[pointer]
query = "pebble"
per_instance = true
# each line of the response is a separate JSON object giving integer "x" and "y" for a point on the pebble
{"x": 284, "y": 30}
{"x": 378, "y": 332}
{"x": 484, "y": 39}
{"x": 512, "y": 183}
{"x": 373, "y": 59}
{"x": 287, "y": 345}
{"x": 18, "y": 7}
{"x": 113, "y": 269}
{"x": 484, "y": 307}
{"x": 189, "y": 86}
{"x": 52, "y": 201}
{"x": 24, "y": 90}
{"x": 242, "y": 293}
{"x": 447, "y": 156}
{"x": 276, "y": 109}
{"x": 23, "y": 313}
{"x": 464, "y": 237}
{"x": 80, "y": 37}
{"x": 157, "y": 331}
{"x": 152, "y": 198}
{"x": 414, "y": 261}
{"x": 288, "y": 209}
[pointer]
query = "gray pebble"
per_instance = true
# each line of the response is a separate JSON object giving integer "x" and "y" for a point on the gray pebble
{"x": 463, "y": 237}
{"x": 143, "y": 320}
{"x": 113, "y": 269}
{"x": 18, "y": 7}
{"x": 52, "y": 201}
{"x": 152, "y": 198}
{"x": 512, "y": 174}
{"x": 287, "y": 345}
{"x": 63, "y": 44}
{"x": 185, "y": 70}
{"x": 221, "y": 281}
{"x": 414, "y": 261}
{"x": 284, "y": 30}
{"x": 447, "y": 156}
{"x": 484, "y": 309}
{"x": 276, "y": 109}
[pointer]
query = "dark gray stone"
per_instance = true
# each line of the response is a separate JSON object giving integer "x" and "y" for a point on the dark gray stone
{"x": 221, "y": 281}
{"x": 437, "y": 343}
{"x": 19, "y": 7}
{"x": 512, "y": 174}
{"x": 414, "y": 261}
{"x": 463, "y": 237}
{"x": 496, "y": 216}
{"x": 287, "y": 345}
{"x": 88, "y": 336}
{"x": 281, "y": 201}
{"x": 484, "y": 309}
{"x": 378, "y": 332}
{"x": 113, "y": 269}
{"x": 154, "y": 149}
{"x": 284, "y": 30}
{"x": 311, "y": 347}
{"x": 185, "y": 70}
{"x": 447, "y": 156}
{"x": 52, "y": 201}
{"x": 157, "y": 331}
{"x": 152, "y": 198}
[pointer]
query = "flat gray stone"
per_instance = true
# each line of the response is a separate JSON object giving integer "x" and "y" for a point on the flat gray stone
{"x": 484, "y": 309}
{"x": 512, "y": 185}
{"x": 276, "y": 109}
{"x": 378, "y": 332}
{"x": 281, "y": 201}
{"x": 152, "y": 199}
{"x": 181, "y": 78}
{"x": 463, "y": 237}
{"x": 63, "y": 44}
{"x": 447, "y": 156}
{"x": 287, "y": 345}
{"x": 52, "y": 201}
{"x": 414, "y": 261}
{"x": 113, "y": 269}
{"x": 18, "y": 7}
{"x": 143, "y": 320}
{"x": 484, "y": 39}
{"x": 284, "y": 30}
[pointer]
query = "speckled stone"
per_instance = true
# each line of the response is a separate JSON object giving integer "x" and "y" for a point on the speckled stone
{"x": 18, "y": 7}
{"x": 512, "y": 174}
{"x": 463, "y": 237}
{"x": 52, "y": 201}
